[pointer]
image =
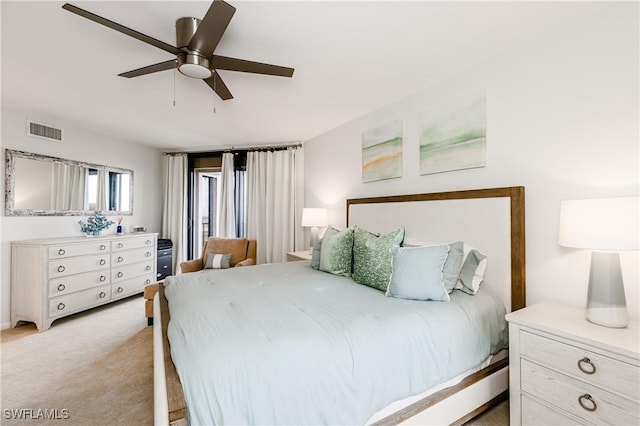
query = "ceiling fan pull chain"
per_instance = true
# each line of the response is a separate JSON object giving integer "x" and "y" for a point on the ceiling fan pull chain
{"x": 174, "y": 87}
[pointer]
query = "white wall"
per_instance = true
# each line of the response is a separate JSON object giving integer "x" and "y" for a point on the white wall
{"x": 562, "y": 120}
{"x": 81, "y": 145}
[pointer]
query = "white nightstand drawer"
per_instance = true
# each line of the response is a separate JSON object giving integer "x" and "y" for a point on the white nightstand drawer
{"x": 606, "y": 372}
{"x": 71, "y": 283}
{"x": 79, "y": 300}
{"x": 589, "y": 403}
{"x": 535, "y": 413}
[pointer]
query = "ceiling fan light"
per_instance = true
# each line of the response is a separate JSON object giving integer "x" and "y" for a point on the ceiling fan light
{"x": 194, "y": 66}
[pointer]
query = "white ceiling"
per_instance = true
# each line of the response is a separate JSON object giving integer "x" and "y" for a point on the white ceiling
{"x": 349, "y": 59}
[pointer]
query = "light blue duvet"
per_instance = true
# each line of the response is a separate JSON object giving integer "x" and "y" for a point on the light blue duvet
{"x": 286, "y": 344}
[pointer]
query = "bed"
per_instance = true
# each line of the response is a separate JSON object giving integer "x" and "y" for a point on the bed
{"x": 490, "y": 219}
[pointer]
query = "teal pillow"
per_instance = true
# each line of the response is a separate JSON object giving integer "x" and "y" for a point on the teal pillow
{"x": 453, "y": 265}
{"x": 315, "y": 255}
{"x": 417, "y": 273}
{"x": 372, "y": 257}
{"x": 336, "y": 255}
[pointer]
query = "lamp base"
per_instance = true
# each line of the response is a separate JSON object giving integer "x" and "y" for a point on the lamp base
{"x": 606, "y": 304}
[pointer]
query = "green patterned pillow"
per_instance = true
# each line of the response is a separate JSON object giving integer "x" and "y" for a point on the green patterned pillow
{"x": 372, "y": 257}
{"x": 336, "y": 254}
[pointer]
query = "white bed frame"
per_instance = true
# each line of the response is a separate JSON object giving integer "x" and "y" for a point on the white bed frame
{"x": 491, "y": 220}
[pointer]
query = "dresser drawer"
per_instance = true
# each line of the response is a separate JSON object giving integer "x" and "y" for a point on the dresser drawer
{"x": 130, "y": 286}
{"x": 79, "y": 300}
{"x": 608, "y": 373}
{"x": 78, "y": 265}
{"x": 577, "y": 397}
{"x": 131, "y": 256}
{"x": 133, "y": 243}
{"x": 70, "y": 250}
{"x": 71, "y": 283}
{"x": 130, "y": 271}
{"x": 535, "y": 413}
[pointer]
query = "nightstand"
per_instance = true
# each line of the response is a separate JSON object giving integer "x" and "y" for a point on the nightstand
{"x": 566, "y": 370}
{"x": 294, "y": 256}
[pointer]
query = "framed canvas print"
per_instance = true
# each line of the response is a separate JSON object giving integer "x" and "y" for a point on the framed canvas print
{"x": 382, "y": 152}
{"x": 453, "y": 135}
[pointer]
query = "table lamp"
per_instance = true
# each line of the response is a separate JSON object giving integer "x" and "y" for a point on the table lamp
{"x": 314, "y": 218}
{"x": 606, "y": 226}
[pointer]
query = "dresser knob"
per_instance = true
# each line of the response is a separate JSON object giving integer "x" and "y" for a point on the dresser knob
{"x": 120, "y": 245}
{"x": 102, "y": 295}
{"x": 148, "y": 242}
{"x": 61, "y": 268}
{"x": 61, "y": 252}
{"x": 148, "y": 254}
{"x": 120, "y": 289}
{"x": 586, "y": 366}
{"x": 60, "y": 306}
{"x": 103, "y": 262}
{"x": 102, "y": 278}
{"x": 103, "y": 247}
{"x": 147, "y": 268}
{"x": 120, "y": 274}
{"x": 587, "y": 402}
{"x": 120, "y": 258}
{"x": 148, "y": 281}
{"x": 61, "y": 287}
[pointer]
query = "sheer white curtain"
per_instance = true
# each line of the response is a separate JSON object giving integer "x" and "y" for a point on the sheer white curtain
{"x": 271, "y": 203}
{"x": 102, "y": 198}
{"x": 227, "y": 204}
{"x": 68, "y": 185}
{"x": 174, "y": 212}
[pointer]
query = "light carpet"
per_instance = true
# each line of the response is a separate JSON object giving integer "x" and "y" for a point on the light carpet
{"x": 94, "y": 368}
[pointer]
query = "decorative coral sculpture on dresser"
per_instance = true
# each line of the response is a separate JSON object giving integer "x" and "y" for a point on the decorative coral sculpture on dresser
{"x": 95, "y": 224}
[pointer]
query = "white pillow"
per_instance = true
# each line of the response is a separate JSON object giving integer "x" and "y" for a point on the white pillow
{"x": 474, "y": 266}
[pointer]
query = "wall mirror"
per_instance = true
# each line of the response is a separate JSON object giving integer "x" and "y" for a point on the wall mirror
{"x": 40, "y": 185}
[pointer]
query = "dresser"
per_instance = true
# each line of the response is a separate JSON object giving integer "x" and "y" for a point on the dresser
{"x": 566, "y": 370}
{"x": 53, "y": 278}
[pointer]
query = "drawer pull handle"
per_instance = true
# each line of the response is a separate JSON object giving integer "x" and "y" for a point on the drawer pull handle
{"x": 148, "y": 281}
{"x": 148, "y": 242}
{"x": 120, "y": 289}
{"x": 103, "y": 262}
{"x": 102, "y": 295}
{"x": 61, "y": 268}
{"x": 148, "y": 254}
{"x": 590, "y": 369}
{"x": 61, "y": 252}
{"x": 61, "y": 287}
{"x": 103, "y": 247}
{"x": 120, "y": 258}
{"x": 120, "y": 274}
{"x": 102, "y": 278}
{"x": 120, "y": 245}
{"x": 590, "y": 403}
{"x": 61, "y": 306}
{"x": 147, "y": 268}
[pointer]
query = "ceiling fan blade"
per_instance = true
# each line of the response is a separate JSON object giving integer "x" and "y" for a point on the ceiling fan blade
{"x": 121, "y": 28}
{"x": 162, "y": 66}
{"x": 213, "y": 25}
{"x": 218, "y": 86}
{"x": 233, "y": 64}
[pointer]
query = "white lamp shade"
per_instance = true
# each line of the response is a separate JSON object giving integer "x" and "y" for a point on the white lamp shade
{"x": 314, "y": 217}
{"x": 600, "y": 224}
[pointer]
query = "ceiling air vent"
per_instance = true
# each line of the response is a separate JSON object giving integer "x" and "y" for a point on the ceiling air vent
{"x": 43, "y": 131}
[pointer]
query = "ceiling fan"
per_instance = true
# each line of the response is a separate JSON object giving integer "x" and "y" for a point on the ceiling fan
{"x": 196, "y": 41}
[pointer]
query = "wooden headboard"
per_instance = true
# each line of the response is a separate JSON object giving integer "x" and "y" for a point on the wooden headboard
{"x": 491, "y": 220}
